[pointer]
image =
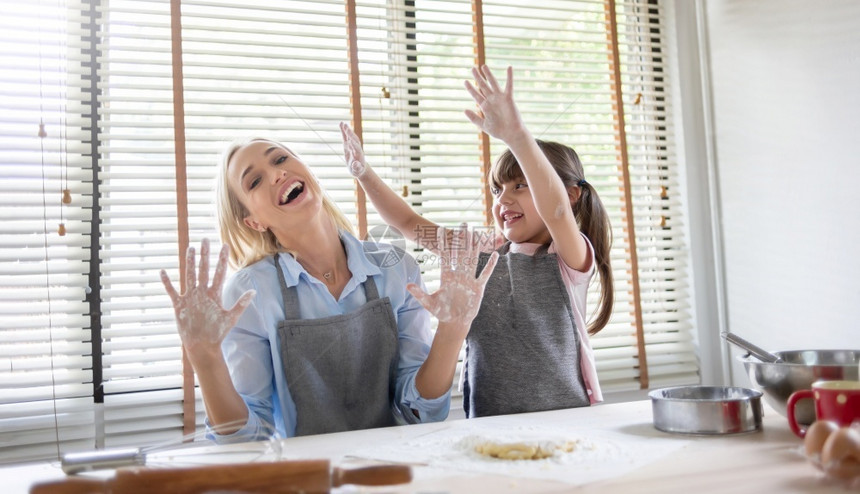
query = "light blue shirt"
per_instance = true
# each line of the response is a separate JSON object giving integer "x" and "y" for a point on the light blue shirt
{"x": 251, "y": 348}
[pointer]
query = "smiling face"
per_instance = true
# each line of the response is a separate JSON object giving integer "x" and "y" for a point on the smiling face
{"x": 515, "y": 212}
{"x": 276, "y": 188}
{"x": 513, "y": 205}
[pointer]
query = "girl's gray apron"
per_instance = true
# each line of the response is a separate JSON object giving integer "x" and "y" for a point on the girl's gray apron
{"x": 340, "y": 370}
{"x": 522, "y": 351}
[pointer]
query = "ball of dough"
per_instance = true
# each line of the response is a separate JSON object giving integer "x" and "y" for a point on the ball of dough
{"x": 523, "y": 450}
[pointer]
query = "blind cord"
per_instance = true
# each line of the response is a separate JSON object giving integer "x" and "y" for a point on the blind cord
{"x": 65, "y": 193}
{"x": 42, "y": 135}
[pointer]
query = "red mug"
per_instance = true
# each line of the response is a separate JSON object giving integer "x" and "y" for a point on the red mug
{"x": 836, "y": 401}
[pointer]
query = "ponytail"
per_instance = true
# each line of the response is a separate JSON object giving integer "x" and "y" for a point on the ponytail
{"x": 594, "y": 224}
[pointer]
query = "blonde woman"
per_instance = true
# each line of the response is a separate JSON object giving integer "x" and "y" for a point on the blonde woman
{"x": 324, "y": 333}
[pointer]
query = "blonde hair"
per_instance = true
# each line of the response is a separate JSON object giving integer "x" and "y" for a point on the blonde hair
{"x": 247, "y": 245}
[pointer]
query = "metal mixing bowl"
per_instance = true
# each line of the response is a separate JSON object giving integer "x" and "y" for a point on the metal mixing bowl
{"x": 798, "y": 370}
{"x": 706, "y": 409}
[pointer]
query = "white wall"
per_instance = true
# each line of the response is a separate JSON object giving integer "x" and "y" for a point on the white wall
{"x": 778, "y": 105}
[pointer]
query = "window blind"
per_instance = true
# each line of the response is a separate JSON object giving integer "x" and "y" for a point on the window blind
{"x": 259, "y": 69}
{"x": 142, "y": 371}
{"x": 414, "y": 59}
{"x": 45, "y": 368}
{"x": 659, "y": 228}
{"x": 282, "y": 71}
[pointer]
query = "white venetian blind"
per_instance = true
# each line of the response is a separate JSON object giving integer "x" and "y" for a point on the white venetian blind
{"x": 281, "y": 70}
{"x": 414, "y": 58}
{"x": 138, "y": 232}
{"x": 562, "y": 57}
{"x": 276, "y": 70}
{"x": 656, "y": 186}
{"x": 45, "y": 369}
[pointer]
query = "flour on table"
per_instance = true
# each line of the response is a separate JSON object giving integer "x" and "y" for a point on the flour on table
{"x": 569, "y": 454}
{"x": 518, "y": 450}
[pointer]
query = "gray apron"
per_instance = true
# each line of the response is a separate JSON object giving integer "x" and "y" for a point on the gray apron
{"x": 340, "y": 370}
{"x": 522, "y": 351}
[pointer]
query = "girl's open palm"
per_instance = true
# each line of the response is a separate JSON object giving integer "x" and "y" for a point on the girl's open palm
{"x": 201, "y": 320}
{"x": 499, "y": 116}
{"x": 460, "y": 292}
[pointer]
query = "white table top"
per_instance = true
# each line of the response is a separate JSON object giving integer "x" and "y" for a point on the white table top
{"x": 627, "y": 455}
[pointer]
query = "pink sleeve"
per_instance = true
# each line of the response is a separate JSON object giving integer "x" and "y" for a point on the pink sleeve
{"x": 577, "y": 283}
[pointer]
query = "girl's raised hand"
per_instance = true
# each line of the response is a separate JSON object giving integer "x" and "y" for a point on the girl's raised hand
{"x": 499, "y": 116}
{"x": 353, "y": 153}
{"x": 460, "y": 292}
{"x": 200, "y": 319}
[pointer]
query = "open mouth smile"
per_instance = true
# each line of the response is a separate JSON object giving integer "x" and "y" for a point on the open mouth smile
{"x": 292, "y": 192}
{"x": 510, "y": 217}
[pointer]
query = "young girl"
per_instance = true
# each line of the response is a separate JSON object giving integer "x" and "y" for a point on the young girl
{"x": 323, "y": 336}
{"x": 528, "y": 348}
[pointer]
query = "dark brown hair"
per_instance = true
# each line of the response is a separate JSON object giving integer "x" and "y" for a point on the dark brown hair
{"x": 588, "y": 210}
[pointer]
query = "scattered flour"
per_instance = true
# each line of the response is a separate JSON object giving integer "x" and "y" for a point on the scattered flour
{"x": 574, "y": 456}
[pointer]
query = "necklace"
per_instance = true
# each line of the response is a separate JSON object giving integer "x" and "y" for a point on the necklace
{"x": 327, "y": 276}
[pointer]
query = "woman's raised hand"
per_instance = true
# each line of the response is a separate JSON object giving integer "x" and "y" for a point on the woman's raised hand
{"x": 498, "y": 116}
{"x": 201, "y": 320}
{"x": 460, "y": 292}
{"x": 352, "y": 151}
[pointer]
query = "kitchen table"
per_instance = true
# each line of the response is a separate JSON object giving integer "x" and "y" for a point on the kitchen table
{"x": 618, "y": 450}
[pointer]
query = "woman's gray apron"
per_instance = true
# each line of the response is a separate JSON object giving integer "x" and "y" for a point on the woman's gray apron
{"x": 340, "y": 370}
{"x": 522, "y": 351}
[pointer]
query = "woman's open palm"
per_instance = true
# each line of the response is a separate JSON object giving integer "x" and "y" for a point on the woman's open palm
{"x": 201, "y": 320}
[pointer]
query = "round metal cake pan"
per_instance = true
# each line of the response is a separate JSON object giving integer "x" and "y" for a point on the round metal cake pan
{"x": 706, "y": 409}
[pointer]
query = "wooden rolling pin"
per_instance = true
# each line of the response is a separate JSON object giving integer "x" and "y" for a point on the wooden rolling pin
{"x": 291, "y": 476}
